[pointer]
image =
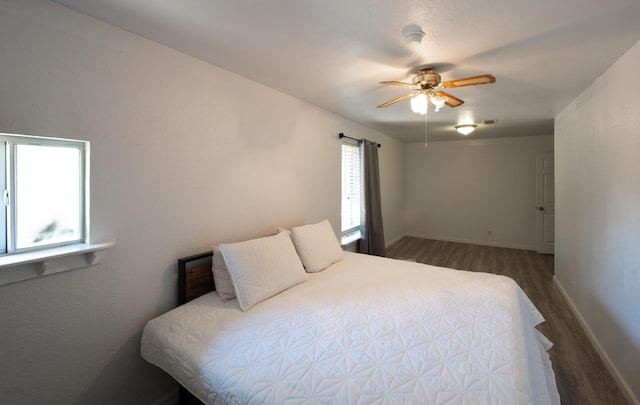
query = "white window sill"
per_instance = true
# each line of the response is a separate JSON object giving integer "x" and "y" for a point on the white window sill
{"x": 23, "y": 266}
{"x": 350, "y": 238}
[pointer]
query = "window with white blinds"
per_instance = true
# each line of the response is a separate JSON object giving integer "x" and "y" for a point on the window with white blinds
{"x": 351, "y": 191}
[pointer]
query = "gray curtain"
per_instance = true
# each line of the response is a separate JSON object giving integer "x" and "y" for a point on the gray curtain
{"x": 372, "y": 239}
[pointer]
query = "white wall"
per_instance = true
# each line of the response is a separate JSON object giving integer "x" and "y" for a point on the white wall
{"x": 461, "y": 190}
{"x": 184, "y": 155}
{"x": 597, "y": 259}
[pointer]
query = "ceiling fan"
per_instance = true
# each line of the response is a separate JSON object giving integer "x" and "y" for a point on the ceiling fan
{"x": 428, "y": 85}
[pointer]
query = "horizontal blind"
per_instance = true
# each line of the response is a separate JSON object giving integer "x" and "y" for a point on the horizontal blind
{"x": 350, "y": 187}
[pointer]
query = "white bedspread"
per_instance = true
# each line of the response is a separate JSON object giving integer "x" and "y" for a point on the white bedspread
{"x": 367, "y": 330}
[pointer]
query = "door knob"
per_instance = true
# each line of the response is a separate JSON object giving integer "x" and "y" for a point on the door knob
{"x": 540, "y": 208}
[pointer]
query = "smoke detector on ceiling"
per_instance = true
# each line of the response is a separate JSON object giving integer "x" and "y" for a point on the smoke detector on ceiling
{"x": 412, "y": 34}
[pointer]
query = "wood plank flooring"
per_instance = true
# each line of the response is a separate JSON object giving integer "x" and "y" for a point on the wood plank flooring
{"x": 581, "y": 376}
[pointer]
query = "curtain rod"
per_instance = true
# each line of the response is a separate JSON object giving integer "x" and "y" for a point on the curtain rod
{"x": 341, "y": 135}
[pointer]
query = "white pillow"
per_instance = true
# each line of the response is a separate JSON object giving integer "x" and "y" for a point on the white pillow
{"x": 221, "y": 278}
{"x": 261, "y": 268}
{"x": 317, "y": 246}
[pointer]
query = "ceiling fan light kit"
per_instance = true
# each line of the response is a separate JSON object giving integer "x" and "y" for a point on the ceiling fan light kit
{"x": 465, "y": 129}
{"x": 438, "y": 101}
{"x": 419, "y": 104}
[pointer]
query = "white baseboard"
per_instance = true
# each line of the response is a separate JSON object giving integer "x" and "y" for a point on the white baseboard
{"x": 622, "y": 383}
{"x": 394, "y": 240}
{"x": 473, "y": 242}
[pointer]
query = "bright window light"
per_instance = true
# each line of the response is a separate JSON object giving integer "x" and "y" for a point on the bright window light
{"x": 47, "y": 195}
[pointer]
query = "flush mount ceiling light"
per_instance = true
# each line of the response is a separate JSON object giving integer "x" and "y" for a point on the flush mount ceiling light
{"x": 412, "y": 34}
{"x": 465, "y": 129}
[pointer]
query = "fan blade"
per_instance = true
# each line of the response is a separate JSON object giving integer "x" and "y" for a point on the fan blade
{"x": 469, "y": 81}
{"x": 395, "y": 100}
{"x": 403, "y": 84}
{"x": 451, "y": 100}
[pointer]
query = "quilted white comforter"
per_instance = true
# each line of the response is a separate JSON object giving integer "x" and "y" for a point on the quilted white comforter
{"x": 367, "y": 330}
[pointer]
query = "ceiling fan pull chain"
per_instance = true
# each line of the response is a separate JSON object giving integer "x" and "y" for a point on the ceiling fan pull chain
{"x": 425, "y": 131}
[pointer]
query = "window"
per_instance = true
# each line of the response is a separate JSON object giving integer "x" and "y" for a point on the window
{"x": 45, "y": 192}
{"x": 351, "y": 192}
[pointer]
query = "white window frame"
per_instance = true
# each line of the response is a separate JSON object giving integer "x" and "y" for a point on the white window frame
{"x": 22, "y": 264}
{"x": 9, "y": 219}
{"x": 353, "y": 233}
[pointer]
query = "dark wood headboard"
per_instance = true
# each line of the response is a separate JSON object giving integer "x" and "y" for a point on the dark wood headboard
{"x": 194, "y": 277}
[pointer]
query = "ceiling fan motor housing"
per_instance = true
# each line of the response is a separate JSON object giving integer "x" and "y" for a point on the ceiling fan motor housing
{"x": 426, "y": 79}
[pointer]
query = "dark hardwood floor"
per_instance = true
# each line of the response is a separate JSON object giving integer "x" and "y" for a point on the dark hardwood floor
{"x": 581, "y": 376}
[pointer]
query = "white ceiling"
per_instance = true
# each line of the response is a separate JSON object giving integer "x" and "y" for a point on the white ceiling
{"x": 334, "y": 53}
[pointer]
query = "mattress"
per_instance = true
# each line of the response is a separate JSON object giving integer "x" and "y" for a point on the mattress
{"x": 367, "y": 330}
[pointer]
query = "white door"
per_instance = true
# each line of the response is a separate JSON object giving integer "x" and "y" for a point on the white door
{"x": 544, "y": 203}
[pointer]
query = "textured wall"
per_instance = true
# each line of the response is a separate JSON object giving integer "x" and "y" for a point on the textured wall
{"x": 598, "y": 213}
{"x": 184, "y": 155}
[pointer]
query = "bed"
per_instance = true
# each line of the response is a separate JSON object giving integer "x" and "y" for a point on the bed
{"x": 361, "y": 330}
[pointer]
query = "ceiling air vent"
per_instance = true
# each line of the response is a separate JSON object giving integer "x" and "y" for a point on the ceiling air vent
{"x": 490, "y": 122}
